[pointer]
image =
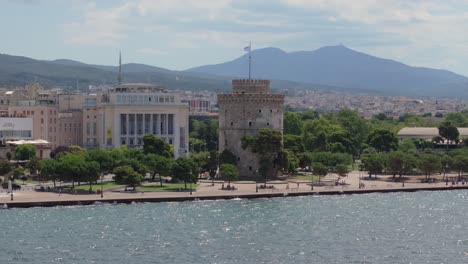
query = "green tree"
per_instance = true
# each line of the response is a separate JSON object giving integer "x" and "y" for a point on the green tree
{"x": 342, "y": 170}
{"x": 373, "y": 163}
{"x": 319, "y": 169}
{"x": 155, "y": 145}
{"x": 227, "y": 157}
{"x": 126, "y": 175}
{"x": 400, "y": 163}
{"x": 309, "y": 115}
{"x": 356, "y": 127}
{"x": 69, "y": 167}
{"x": 182, "y": 170}
{"x": 90, "y": 172}
{"x": 292, "y": 124}
{"x": 293, "y": 143}
{"x": 158, "y": 165}
{"x": 212, "y": 165}
{"x": 292, "y": 161}
{"x": 429, "y": 163}
{"x": 305, "y": 159}
{"x": 49, "y": 170}
{"x": 267, "y": 144}
{"x": 17, "y": 172}
{"x": 343, "y": 139}
{"x": 103, "y": 158}
{"x": 229, "y": 172}
{"x": 456, "y": 119}
{"x": 383, "y": 140}
{"x": 449, "y": 132}
{"x": 34, "y": 165}
{"x": 5, "y": 167}
{"x": 25, "y": 151}
{"x": 460, "y": 164}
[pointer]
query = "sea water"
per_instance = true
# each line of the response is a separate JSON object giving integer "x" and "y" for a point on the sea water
{"x": 421, "y": 227}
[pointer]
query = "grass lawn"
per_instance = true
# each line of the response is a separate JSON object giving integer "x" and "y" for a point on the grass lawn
{"x": 95, "y": 187}
{"x": 165, "y": 187}
{"x": 302, "y": 177}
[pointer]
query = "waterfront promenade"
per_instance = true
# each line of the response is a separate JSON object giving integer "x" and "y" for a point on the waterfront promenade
{"x": 205, "y": 191}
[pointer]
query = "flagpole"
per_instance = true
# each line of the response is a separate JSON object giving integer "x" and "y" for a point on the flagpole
{"x": 250, "y": 57}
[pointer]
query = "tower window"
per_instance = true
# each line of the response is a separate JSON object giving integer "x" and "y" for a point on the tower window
{"x": 250, "y": 124}
{"x": 268, "y": 123}
{"x": 271, "y": 110}
{"x": 250, "y": 168}
{"x": 232, "y": 123}
{"x": 259, "y": 110}
{"x": 238, "y": 158}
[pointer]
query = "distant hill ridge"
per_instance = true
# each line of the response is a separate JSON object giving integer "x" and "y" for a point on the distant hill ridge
{"x": 330, "y": 68}
{"x": 343, "y": 67}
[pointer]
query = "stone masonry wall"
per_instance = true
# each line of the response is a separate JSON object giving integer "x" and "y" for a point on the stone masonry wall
{"x": 245, "y": 113}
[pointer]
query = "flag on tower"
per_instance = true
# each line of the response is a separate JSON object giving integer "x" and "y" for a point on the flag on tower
{"x": 247, "y": 49}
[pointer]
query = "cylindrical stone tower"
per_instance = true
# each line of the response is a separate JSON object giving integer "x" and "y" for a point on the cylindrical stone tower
{"x": 249, "y": 108}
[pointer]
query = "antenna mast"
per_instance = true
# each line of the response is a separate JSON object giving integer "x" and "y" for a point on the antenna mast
{"x": 119, "y": 77}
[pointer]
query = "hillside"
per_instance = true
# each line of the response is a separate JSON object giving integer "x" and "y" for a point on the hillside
{"x": 343, "y": 67}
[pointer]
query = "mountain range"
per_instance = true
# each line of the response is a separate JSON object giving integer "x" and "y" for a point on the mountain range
{"x": 343, "y": 67}
{"x": 332, "y": 67}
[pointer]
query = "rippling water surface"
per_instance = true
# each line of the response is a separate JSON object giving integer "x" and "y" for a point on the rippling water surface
{"x": 422, "y": 227}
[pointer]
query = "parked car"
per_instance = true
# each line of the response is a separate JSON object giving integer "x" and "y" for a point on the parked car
{"x": 14, "y": 186}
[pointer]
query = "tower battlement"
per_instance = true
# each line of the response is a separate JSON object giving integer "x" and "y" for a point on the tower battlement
{"x": 250, "y": 86}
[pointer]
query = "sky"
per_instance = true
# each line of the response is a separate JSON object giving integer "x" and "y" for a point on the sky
{"x": 179, "y": 34}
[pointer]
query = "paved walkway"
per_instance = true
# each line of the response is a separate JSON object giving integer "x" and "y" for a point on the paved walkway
{"x": 205, "y": 189}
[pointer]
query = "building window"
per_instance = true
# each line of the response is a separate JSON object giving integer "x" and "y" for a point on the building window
{"x": 232, "y": 123}
{"x": 238, "y": 158}
{"x": 42, "y": 120}
{"x": 42, "y": 112}
{"x": 259, "y": 110}
{"x": 88, "y": 129}
{"x": 271, "y": 110}
{"x": 268, "y": 123}
{"x": 250, "y": 168}
{"x": 250, "y": 124}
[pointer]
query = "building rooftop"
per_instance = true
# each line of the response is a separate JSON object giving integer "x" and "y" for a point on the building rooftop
{"x": 428, "y": 131}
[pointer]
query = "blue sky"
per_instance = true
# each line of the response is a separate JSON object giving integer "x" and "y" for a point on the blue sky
{"x": 179, "y": 34}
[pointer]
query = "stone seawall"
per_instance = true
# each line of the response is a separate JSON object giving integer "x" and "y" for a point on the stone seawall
{"x": 227, "y": 196}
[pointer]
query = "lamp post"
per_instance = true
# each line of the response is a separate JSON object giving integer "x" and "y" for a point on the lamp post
{"x": 102, "y": 189}
{"x": 191, "y": 182}
{"x": 312, "y": 181}
{"x": 256, "y": 185}
{"x": 446, "y": 169}
{"x": 360, "y": 172}
{"x": 10, "y": 188}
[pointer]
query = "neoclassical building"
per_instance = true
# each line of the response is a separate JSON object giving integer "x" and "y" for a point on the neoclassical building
{"x": 247, "y": 109}
{"x": 127, "y": 112}
{"x": 115, "y": 116}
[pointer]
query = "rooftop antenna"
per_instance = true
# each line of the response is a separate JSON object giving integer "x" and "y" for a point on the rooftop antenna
{"x": 249, "y": 49}
{"x": 77, "y": 85}
{"x": 119, "y": 78}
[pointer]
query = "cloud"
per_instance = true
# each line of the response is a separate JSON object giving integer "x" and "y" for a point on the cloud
{"x": 152, "y": 51}
{"x": 410, "y": 31}
{"x": 101, "y": 27}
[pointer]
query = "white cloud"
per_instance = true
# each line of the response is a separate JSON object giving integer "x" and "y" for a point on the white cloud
{"x": 152, "y": 51}
{"x": 102, "y": 27}
{"x": 398, "y": 29}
